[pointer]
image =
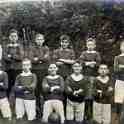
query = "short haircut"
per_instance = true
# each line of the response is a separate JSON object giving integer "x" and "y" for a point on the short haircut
{"x": 52, "y": 63}
{"x": 91, "y": 40}
{"x": 64, "y": 37}
{"x": 103, "y": 64}
{"x": 26, "y": 59}
{"x": 38, "y": 35}
{"x": 77, "y": 62}
{"x": 13, "y": 31}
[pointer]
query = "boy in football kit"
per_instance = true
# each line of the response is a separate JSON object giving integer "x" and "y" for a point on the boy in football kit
{"x": 12, "y": 56}
{"x": 4, "y": 103}
{"x": 53, "y": 87}
{"x": 76, "y": 91}
{"x": 103, "y": 97}
{"x": 119, "y": 77}
{"x": 90, "y": 60}
{"x": 39, "y": 55}
{"x": 25, "y": 92}
{"x": 64, "y": 56}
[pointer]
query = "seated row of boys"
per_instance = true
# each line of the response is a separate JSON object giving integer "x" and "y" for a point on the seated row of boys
{"x": 76, "y": 86}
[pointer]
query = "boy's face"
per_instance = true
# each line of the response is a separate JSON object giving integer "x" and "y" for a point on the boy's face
{"x": 77, "y": 68}
{"x": 26, "y": 66}
{"x": 91, "y": 45}
{"x": 122, "y": 47}
{"x": 64, "y": 44}
{"x": 103, "y": 70}
{"x": 13, "y": 37}
{"x": 40, "y": 40}
{"x": 53, "y": 69}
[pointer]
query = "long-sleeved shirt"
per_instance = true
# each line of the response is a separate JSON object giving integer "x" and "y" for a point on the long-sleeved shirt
{"x": 67, "y": 54}
{"x": 89, "y": 56}
{"x": 118, "y": 70}
{"x": 41, "y": 53}
{"x": 13, "y": 55}
{"x": 103, "y": 94}
{"x": 27, "y": 84}
{"x": 3, "y": 84}
{"x": 72, "y": 86}
{"x": 48, "y": 83}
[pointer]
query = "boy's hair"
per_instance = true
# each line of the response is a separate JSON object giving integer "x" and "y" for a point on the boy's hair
{"x": 52, "y": 63}
{"x": 13, "y": 31}
{"x": 26, "y": 59}
{"x": 103, "y": 64}
{"x": 91, "y": 40}
{"x": 38, "y": 35}
{"x": 64, "y": 37}
{"x": 77, "y": 62}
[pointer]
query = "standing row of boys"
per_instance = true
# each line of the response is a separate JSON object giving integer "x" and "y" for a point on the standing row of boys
{"x": 32, "y": 76}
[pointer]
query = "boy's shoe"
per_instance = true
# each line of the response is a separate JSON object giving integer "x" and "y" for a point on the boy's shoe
{"x": 20, "y": 121}
{"x": 7, "y": 121}
{"x": 70, "y": 122}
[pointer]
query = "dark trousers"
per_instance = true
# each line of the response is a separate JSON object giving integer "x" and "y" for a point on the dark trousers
{"x": 88, "y": 110}
{"x": 12, "y": 74}
{"x": 41, "y": 73}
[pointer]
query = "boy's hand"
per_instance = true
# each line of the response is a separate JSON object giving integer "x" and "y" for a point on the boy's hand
{"x": 9, "y": 55}
{"x": 35, "y": 58}
{"x": 40, "y": 61}
{"x": 26, "y": 91}
{"x": 54, "y": 88}
{"x": 91, "y": 64}
{"x": 61, "y": 60}
{"x": 76, "y": 93}
{"x": 110, "y": 89}
{"x": 59, "y": 63}
{"x": 20, "y": 87}
{"x": 69, "y": 89}
{"x": 1, "y": 84}
{"x": 100, "y": 92}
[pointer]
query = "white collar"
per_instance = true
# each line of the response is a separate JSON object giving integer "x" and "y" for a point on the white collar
{"x": 103, "y": 80}
{"x": 122, "y": 54}
{"x": 93, "y": 51}
{"x": 25, "y": 74}
{"x": 77, "y": 78}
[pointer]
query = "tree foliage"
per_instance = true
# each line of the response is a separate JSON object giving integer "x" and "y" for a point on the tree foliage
{"x": 79, "y": 20}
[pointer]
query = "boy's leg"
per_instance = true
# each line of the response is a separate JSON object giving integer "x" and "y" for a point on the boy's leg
{"x": 88, "y": 109}
{"x": 97, "y": 112}
{"x": 5, "y": 108}
{"x": 106, "y": 113}
{"x": 79, "y": 112}
{"x": 59, "y": 108}
{"x": 19, "y": 108}
{"x": 30, "y": 107}
{"x": 47, "y": 110}
{"x": 39, "y": 99}
{"x": 69, "y": 111}
{"x": 115, "y": 114}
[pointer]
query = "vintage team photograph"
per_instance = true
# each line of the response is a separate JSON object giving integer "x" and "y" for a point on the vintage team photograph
{"x": 61, "y": 62}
